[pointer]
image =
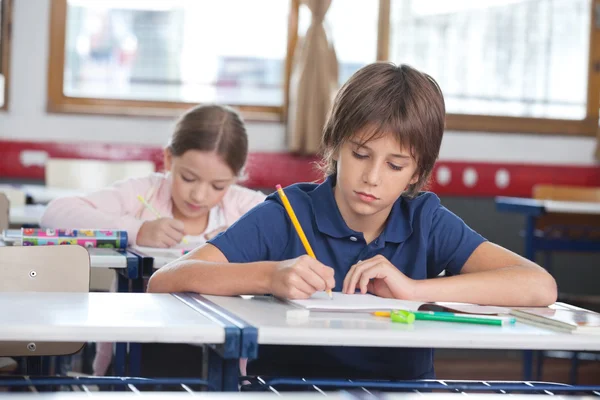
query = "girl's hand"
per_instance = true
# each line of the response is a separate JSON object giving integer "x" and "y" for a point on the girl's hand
{"x": 163, "y": 232}
{"x": 300, "y": 278}
{"x": 378, "y": 276}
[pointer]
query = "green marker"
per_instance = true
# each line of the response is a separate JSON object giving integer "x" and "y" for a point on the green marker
{"x": 451, "y": 317}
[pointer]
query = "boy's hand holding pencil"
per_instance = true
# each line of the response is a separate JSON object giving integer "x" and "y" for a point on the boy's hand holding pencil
{"x": 306, "y": 266}
{"x": 300, "y": 278}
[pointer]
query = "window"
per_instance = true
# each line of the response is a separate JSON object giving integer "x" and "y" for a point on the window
{"x": 167, "y": 53}
{"x": 5, "y": 13}
{"x": 509, "y": 58}
{"x": 503, "y": 65}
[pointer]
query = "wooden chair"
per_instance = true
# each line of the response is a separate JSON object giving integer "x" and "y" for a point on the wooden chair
{"x": 92, "y": 174}
{"x": 43, "y": 269}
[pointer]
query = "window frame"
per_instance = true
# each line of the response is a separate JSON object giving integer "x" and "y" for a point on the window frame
{"x": 6, "y": 26}
{"x": 504, "y": 124}
{"x": 58, "y": 102}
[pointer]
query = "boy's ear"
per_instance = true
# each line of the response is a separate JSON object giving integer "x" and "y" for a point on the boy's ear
{"x": 167, "y": 159}
{"x": 335, "y": 154}
{"x": 414, "y": 179}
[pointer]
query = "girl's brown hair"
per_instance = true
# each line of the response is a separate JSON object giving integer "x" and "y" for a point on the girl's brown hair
{"x": 386, "y": 98}
{"x": 212, "y": 127}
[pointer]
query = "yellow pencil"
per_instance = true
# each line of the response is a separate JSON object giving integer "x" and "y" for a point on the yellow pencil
{"x": 298, "y": 227}
{"x": 154, "y": 211}
{"x": 148, "y": 206}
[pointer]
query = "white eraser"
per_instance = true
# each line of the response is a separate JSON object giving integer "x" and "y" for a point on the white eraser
{"x": 299, "y": 313}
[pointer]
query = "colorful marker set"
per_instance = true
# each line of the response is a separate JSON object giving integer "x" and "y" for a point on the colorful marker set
{"x": 408, "y": 317}
{"x": 84, "y": 237}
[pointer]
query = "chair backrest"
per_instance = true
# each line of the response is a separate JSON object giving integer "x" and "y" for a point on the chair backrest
{"x": 566, "y": 193}
{"x": 4, "y": 211}
{"x": 92, "y": 174}
{"x": 43, "y": 269}
{"x": 573, "y": 226}
{"x": 16, "y": 197}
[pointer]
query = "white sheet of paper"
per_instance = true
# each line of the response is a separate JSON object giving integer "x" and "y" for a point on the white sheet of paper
{"x": 320, "y": 301}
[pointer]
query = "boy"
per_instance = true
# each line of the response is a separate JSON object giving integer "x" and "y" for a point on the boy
{"x": 371, "y": 229}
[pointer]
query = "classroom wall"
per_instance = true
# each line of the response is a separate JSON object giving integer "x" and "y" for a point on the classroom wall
{"x": 27, "y": 118}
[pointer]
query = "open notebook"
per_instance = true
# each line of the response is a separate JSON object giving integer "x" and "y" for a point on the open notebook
{"x": 320, "y": 301}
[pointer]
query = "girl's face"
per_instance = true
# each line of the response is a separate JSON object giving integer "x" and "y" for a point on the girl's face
{"x": 200, "y": 180}
{"x": 372, "y": 176}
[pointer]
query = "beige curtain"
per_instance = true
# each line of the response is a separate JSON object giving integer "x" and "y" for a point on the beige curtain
{"x": 313, "y": 82}
{"x": 598, "y": 145}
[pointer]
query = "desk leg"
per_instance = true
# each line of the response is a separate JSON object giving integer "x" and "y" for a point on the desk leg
{"x": 121, "y": 348}
{"x": 135, "y": 359}
{"x": 222, "y": 373}
{"x": 527, "y": 365}
{"x": 135, "y": 349}
{"x": 574, "y": 368}
{"x": 119, "y": 361}
{"x": 231, "y": 374}
{"x": 530, "y": 255}
{"x": 122, "y": 283}
{"x": 530, "y": 237}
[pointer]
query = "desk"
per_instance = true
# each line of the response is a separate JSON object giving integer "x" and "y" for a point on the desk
{"x": 535, "y": 241}
{"x": 121, "y": 317}
{"x": 42, "y": 194}
{"x": 268, "y": 315}
{"x": 107, "y": 258}
{"x": 533, "y": 209}
{"x": 29, "y": 214}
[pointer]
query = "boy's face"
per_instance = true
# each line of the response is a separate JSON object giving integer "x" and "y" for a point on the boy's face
{"x": 372, "y": 176}
{"x": 200, "y": 180}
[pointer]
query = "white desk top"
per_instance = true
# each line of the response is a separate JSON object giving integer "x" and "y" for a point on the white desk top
{"x": 116, "y": 317}
{"x": 27, "y": 214}
{"x": 364, "y": 329}
{"x": 571, "y": 207}
{"x": 107, "y": 258}
{"x": 42, "y": 194}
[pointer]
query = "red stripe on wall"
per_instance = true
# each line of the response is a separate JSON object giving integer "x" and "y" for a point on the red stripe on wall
{"x": 265, "y": 170}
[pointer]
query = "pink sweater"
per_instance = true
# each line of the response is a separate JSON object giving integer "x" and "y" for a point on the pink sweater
{"x": 117, "y": 206}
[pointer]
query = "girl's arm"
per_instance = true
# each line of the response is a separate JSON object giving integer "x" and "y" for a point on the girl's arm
{"x": 110, "y": 208}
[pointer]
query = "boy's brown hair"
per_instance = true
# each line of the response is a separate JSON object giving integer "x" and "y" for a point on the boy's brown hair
{"x": 212, "y": 127}
{"x": 389, "y": 99}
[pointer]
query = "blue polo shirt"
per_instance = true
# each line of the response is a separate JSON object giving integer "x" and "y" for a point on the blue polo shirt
{"x": 421, "y": 238}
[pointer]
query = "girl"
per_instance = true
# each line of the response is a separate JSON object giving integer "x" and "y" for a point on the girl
{"x": 196, "y": 198}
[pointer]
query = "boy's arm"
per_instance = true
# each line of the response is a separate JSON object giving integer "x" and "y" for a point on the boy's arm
{"x": 206, "y": 270}
{"x": 493, "y": 275}
{"x": 233, "y": 262}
